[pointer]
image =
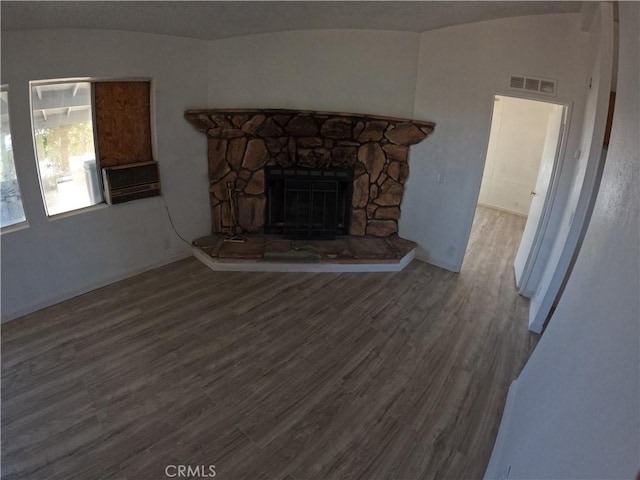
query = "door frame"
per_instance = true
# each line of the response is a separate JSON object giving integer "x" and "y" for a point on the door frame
{"x": 552, "y": 191}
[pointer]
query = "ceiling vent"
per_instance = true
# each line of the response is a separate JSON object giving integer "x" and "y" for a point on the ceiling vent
{"x": 533, "y": 84}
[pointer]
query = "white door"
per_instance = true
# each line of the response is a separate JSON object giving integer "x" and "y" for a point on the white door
{"x": 534, "y": 228}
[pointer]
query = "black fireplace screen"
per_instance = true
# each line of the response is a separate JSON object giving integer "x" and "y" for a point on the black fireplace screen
{"x": 311, "y": 203}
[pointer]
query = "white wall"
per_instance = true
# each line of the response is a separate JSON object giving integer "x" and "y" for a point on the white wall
{"x": 585, "y": 175}
{"x": 574, "y": 408}
{"x": 352, "y": 71}
{"x": 448, "y": 76}
{"x": 54, "y": 259}
{"x": 460, "y": 69}
{"x": 518, "y": 131}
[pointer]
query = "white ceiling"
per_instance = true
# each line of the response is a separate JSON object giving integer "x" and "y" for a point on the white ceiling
{"x": 220, "y": 19}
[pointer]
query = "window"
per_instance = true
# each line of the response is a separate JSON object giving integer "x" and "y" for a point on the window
{"x": 63, "y": 134}
{"x": 11, "y": 211}
{"x": 73, "y": 120}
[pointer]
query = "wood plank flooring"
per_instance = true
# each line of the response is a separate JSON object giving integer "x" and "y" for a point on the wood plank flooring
{"x": 271, "y": 375}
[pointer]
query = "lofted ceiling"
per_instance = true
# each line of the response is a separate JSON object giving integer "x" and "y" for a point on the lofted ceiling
{"x": 219, "y": 19}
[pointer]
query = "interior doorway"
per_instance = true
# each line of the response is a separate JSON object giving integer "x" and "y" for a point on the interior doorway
{"x": 520, "y": 171}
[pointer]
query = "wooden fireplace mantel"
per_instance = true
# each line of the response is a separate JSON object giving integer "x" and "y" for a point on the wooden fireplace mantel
{"x": 241, "y": 142}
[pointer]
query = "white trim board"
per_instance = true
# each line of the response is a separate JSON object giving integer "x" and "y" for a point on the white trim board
{"x": 262, "y": 266}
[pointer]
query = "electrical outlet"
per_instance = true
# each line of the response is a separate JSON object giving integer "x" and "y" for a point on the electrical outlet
{"x": 440, "y": 177}
{"x": 167, "y": 243}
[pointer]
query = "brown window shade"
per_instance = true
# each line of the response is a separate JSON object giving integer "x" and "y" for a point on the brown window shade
{"x": 123, "y": 129}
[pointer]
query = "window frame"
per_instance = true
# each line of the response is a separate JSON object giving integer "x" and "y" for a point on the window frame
{"x": 57, "y": 81}
{"x": 24, "y": 223}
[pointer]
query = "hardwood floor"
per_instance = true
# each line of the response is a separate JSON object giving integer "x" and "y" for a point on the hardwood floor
{"x": 271, "y": 375}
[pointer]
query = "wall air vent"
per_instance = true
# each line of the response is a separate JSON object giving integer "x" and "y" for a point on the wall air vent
{"x": 533, "y": 84}
{"x": 130, "y": 182}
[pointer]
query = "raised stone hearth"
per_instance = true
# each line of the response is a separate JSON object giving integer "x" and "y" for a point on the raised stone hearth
{"x": 242, "y": 142}
{"x": 275, "y": 253}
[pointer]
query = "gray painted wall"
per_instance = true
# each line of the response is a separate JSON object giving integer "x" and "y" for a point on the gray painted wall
{"x": 54, "y": 259}
{"x": 448, "y": 76}
{"x": 352, "y": 71}
{"x": 460, "y": 70}
{"x": 573, "y": 411}
{"x": 547, "y": 279}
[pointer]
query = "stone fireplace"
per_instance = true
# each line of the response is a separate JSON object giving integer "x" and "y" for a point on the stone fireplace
{"x": 373, "y": 149}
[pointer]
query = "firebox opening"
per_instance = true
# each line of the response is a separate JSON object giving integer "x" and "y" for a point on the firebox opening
{"x": 308, "y": 203}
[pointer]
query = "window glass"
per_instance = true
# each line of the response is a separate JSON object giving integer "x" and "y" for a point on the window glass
{"x": 11, "y": 211}
{"x": 63, "y": 133}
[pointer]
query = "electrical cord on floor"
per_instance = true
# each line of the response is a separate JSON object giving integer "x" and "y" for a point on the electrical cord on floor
{"x": 247, "y": 239}
{"x": 171, "y": 222}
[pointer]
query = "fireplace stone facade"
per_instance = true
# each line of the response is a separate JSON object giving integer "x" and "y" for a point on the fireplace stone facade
{"x": 242, "y": 142}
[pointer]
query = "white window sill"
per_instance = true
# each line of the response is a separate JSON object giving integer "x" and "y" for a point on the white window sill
{"x": 72, "y": 213}
{"x": 14, "y": 228}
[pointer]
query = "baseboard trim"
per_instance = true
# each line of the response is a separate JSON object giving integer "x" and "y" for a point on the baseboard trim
{"x": 437, "y": 263}
{"x": 7, "y": 317}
